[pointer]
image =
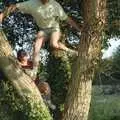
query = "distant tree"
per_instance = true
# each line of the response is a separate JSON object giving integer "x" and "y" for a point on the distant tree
{"x": 116, "y": 60}
{"x": 109, "y": 70}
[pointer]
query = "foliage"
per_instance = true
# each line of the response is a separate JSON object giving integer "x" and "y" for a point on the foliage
{"x": 20, "y": 29}
{"x": 58, "y": 68}
{"x": 113, "y": 18}
{"x": 109, "y": 71}
{"x": 13, "y": 107}
{"x": 105, "y": 107}
{"x": 59, "y": 71}
{"x": 112, "y": 28}
{"x": 116, "y": 59}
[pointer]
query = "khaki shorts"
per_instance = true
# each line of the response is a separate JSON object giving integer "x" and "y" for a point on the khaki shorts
{"x": 46, "y": 32}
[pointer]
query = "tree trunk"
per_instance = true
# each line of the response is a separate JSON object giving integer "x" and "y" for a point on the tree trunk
{"x": 22, "y": 83}
{"x": 79, "y": 93}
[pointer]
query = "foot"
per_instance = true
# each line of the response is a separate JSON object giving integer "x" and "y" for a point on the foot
{"x": 51, "y": 106}
{"x": 72, "y": 53}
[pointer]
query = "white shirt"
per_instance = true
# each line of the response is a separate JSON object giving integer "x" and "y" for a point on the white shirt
{"x": 46, "y": 15}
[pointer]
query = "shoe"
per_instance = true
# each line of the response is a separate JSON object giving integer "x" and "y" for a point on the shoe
{"x": 50, "y": 105}
{"x": 53, "y": 107}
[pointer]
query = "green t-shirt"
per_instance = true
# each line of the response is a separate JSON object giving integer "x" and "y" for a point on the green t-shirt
{"x": 46, "y": 15}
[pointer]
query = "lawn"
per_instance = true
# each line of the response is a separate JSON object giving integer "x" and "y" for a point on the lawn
{"x": 104, "y": 107}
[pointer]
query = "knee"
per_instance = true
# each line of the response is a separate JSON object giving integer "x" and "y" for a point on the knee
{"x": 40, "y": 34}
{"x": 54, "y": 45}
{"x": 39, "y": 41}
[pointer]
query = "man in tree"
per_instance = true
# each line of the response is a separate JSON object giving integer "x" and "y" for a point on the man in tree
{"x": 48, "y": 14}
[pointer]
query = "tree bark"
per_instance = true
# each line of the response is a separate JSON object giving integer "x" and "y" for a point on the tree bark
{"x": 79, "y": 93}
{"x": 22, "y": 83}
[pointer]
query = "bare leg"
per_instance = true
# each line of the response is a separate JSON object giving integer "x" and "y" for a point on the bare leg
{"x": 37, "y": 46}
{"x": 1, "y": 17}
{"x": 54, "y": 42}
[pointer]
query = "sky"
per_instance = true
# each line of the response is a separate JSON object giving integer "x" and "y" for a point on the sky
{"x": 114, "y": 44}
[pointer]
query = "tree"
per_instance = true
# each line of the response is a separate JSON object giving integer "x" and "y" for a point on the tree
{"x": 86, "y": 46}
{"x": 79, "y": 93}
{"x": 30, "y": 104}
{"x": 113, "y": 18}
{"x": 116, "y": 59}
{"x": 109, "y": 71}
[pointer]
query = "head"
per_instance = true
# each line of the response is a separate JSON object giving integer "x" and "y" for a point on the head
{"x": 22, "y": 55}
{"x": 44, "y": 1}
{"x": 44, "y": 88}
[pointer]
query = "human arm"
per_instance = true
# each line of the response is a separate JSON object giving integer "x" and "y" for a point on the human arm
{"x": 64, "y": 17}
{"x": 1, "y": 17}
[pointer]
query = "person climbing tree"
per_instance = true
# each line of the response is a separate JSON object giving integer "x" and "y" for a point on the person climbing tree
{"x": 48, "y": 14}
{"x": 40, "y": 81}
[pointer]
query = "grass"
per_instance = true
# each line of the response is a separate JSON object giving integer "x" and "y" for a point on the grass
{"x": 105, "y": 107}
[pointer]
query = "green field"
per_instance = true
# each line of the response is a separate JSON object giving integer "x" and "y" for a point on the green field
{"x": 104, "y": 107}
